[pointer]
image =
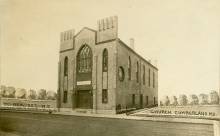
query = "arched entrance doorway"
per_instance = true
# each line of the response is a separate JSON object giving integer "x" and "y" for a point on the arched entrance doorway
{"x": 84, "y": 78}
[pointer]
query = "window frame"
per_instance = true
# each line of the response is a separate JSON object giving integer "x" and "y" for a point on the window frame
{"x": 153, "y": 80}
{"x": 121, "y": 73}
{"x": 129, "y": 68}
{"x": 137, "y": 72}
{"x": 154, "y": 100}
{"x": 144, "y": 75}
{"x": 84, "y": 59}
{"x": 147, "y": 100}
{"x": 65, "y": 96}
{"x": 149, "y": 77}
{"x": 66, "y": 61}
{"x": 105, "y": 60}
{"x": 133, "y": 99}
{"x": 105, "y": 96}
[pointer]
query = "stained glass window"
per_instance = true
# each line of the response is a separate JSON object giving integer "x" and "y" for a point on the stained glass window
{"x": 84, "y": 59}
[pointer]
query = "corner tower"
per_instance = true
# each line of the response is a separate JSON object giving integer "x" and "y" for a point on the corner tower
{"x": 67, "y": 40}
{"x": 107, "y": 29}
{"x": 65, "y": 75}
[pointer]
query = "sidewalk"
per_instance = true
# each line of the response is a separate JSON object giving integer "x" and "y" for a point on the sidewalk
{"x": 141, "y": 118}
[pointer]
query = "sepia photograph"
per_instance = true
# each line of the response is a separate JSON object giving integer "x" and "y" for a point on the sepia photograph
{"x": 109, "y": 68}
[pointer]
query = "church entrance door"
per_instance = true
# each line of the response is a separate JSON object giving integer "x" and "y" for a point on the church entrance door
{"x": 84, "y": 99}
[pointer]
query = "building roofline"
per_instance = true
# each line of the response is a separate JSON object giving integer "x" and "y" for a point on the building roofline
{"x": 83, "y": 29}
{"x": 129, "y": 48}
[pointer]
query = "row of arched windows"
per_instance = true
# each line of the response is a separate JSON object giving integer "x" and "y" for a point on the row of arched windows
{"x": 84, "y": 64}
{"x": 137, "y": 73}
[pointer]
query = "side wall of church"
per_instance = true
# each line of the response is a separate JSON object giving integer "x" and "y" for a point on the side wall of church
{"x": 129, "y": 88}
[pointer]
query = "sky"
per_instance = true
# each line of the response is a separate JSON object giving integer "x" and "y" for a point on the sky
{"x": 182, "y": 36}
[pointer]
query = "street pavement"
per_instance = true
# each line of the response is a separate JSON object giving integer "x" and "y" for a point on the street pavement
{"x": 36, "y": 124}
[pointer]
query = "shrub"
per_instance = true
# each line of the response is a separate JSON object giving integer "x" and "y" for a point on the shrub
{"x": 203, "y": 99}
{"x": 173, "y": 101}
{"x": 42, "y": 94}
{"x": 166, "y": 101}
{"x": 193, "y": 99}
{"x": 182, "y": 100}
{"x": 31, "y": 94}
{"x": 213, "y": 97}
{"x": 20, "y": 93}
{"x": 10, "y": 92}
{"x": 51, "y": 95}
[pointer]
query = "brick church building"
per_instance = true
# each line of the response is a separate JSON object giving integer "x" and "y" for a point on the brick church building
{"x": 99, "y": 73}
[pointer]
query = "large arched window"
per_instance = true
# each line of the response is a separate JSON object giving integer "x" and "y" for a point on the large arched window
{"x": 105, "y": 61}
{"x": 129, "y": 68}
{"x": 84, "y": 59}
{"x": 66, "y": 66}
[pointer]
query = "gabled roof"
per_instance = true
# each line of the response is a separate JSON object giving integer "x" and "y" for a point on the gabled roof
{"x": 84, "y": 29}
{"x": 122, "y": 43}
{"x": 129, "y": 48}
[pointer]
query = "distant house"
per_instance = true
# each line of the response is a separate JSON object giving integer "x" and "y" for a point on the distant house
{"x": 100, "y": 73}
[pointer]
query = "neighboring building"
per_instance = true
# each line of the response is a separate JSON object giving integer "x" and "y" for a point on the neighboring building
{"x": 100, "y": 73}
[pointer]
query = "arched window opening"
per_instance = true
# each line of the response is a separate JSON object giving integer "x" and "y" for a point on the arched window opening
{"x": 129, "y": 68}
{"x": 66, "y": 66}
{"x": 105, "y": 61}
{"x": 144, "y": 75}
{"x": 153, "y": 80}
{"x": 84, "y": 59}
{"x": 149, "y": 78}
{"x": 121, "y": 73}
{"x": 137, "y": 72}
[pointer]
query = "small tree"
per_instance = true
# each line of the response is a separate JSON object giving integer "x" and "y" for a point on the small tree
{"x": 42, "y": 94}
{"x": 10, "y": 92}
{"x": 161, "y": 103}
{"x": 20, "y": 93}
{"x": 51, "y": 95}
{"x": 203, "y": 99}
{"x": 213, "y": 97}
{"x": 183, "y": 100}
{"x": 31, "y": 94}
{"x": 166, "y": 101}
{"x": 173, "y": 101}
{"x": 193, "y": 100}
{"x": 2, "y": 91}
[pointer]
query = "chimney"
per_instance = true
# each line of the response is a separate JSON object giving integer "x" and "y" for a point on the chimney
{"x": 132, "y": 43}
{"x": 155, "y": 63}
